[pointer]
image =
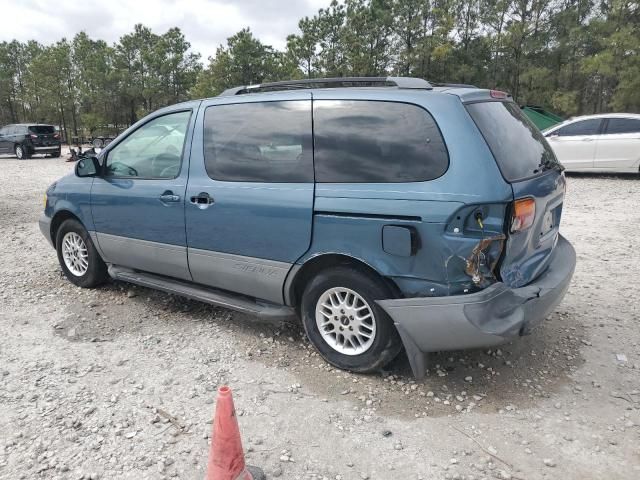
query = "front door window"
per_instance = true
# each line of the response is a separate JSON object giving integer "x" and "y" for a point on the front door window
{"x": 152, "y": 151}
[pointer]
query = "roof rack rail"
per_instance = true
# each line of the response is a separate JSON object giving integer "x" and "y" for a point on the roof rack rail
{"x": 399, "y": 82}
{"x": 453, "y": 85}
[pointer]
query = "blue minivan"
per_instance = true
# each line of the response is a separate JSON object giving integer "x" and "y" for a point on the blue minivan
{"x": 383, "y": 212}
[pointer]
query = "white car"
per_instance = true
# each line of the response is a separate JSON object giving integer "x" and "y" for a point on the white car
{"x": 598, "y": 143}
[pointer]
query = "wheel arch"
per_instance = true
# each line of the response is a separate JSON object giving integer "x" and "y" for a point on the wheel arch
{"x": 57, "y": 220}
{"x": 300, "y": 274}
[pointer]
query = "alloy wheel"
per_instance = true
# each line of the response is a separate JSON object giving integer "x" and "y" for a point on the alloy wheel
{"x": 75, "y": 254}
{"x": 346, "y": 321}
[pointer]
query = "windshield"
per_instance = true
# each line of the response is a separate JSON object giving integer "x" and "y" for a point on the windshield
{"x": 41, "y": 129}
{"x": 518, "y": 146}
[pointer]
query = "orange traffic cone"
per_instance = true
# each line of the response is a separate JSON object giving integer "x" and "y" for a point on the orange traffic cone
{"x": 226, "y": 457}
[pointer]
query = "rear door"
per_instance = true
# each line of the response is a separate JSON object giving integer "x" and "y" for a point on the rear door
{"x": 619, "y": 147}
{"x": 14, "y": 137}
{"x": 529, "y": 165}
{"x": 575, "y": 143}
{"x": 4, "y": 143}
{"x": 250, "y": 193}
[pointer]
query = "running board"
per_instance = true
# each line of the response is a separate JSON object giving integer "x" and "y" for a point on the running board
{"x": 213, "y": 296}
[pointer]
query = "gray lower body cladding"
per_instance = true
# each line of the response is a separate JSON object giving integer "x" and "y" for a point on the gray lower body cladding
{"x": 240, "y": 303}
{"x": 482, "y": 319}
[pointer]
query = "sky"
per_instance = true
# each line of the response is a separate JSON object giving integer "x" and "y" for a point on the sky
{"x": 205, "y": 23}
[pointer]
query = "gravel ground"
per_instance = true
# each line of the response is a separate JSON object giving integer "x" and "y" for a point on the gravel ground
{"x": 119, "y": 382}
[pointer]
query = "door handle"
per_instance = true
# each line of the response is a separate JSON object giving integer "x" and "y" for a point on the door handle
{"x": 169, "y": 197}
{"x": 587, "y": 139}
{"x": 202, "y": 200}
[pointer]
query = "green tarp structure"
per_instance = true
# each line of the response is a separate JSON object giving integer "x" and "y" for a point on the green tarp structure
{"x": 540, "y": 117}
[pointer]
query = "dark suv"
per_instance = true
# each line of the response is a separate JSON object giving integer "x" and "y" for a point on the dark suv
{"x": 26, "y": 139}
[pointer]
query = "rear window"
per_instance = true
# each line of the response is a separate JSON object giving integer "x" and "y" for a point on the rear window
{"x": 376, "y": 142}
{"x": 517, "y": 145}
{"x": 623, "y": 125}
{"x": 41, "y": 129}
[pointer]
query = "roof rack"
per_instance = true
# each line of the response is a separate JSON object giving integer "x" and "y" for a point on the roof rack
{"x": 399, "y": 82}
{"x": 453, "y": 85}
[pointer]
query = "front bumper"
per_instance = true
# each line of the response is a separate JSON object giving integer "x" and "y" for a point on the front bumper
{"x": 482, "y": 319}
{"x": 44, "y": 223}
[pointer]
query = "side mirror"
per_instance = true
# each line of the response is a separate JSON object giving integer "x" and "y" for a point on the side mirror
{"x": 87, "y": 167}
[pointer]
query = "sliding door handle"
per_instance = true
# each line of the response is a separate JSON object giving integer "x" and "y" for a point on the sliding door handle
{"x": 202, "y": 200}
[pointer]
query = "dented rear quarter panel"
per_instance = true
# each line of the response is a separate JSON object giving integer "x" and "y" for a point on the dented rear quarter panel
{"x": 349, "y": 217}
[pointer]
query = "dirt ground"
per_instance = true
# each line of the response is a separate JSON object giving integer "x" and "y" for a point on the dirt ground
{"x": 119, "y": 382}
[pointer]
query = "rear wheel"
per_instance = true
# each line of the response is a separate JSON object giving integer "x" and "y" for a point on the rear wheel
{"x": 56, "y": 154}
{"x": 21, "y": 152}
{"x": 78, "y": 256}
{"x": 344, "y": 323}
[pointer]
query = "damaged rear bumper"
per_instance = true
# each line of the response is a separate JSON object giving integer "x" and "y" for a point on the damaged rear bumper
{"x": 483, "y": 319}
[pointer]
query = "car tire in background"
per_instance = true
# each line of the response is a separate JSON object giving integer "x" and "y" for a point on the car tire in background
{"x": 78, "y": 256}
{"x": 21, "y": 152}
{"x": 97, "y": 143}
{"x": 344, "y": 322}
{"x": 56, "y": 154}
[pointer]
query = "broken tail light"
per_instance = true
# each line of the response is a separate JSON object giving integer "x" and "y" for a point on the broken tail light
{"x": 524, "y": 212}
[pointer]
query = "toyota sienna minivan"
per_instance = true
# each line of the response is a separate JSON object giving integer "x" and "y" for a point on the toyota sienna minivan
{"x": 383, "y": 212}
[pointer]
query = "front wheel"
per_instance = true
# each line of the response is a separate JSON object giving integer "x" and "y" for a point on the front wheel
{"x": 344, "y": 323}
{"x": 78, "y": 256}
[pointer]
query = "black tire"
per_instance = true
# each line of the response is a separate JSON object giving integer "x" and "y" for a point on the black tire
{"x": 96, "y": 272}
{"x": 21, "y": 152}
{"x": 56, "y": 154}
{"x": 386, "y": 344}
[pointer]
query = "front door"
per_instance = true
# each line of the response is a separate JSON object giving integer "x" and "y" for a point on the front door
{"x": 250, "y": 194}
{"x": 575, "y": 143}
{"x": 138, "y": 202}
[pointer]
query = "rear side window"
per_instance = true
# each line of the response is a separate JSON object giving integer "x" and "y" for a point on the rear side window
{"x": 376, "y": 142}
{"x": 584, "y": 127}
{"x": 516, "y": 143}
{"x": 42, "y": 129}
{"x": 259, "y": 142}
{"x": 623, "y": 125}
